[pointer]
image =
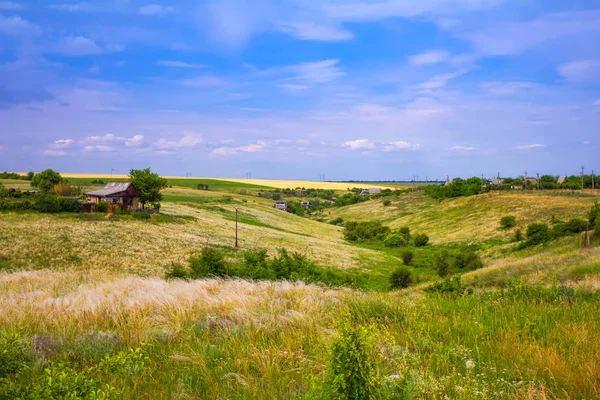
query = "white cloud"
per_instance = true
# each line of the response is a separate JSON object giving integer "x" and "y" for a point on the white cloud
{"x": 75, "y": 7}
{"x": 78, "y": 46}
{"x": 57, "y": 153}
{"x": 179, "y": 64}
{"x": 63, "y": 144}
{"x": 307, "y": 30}
{"x": 231, "y": 151}
{"x": 99, "y": 147}
{"x": 530, "y": 146}
{"x": 134, "y": 141}
{"x": 109, "y": 137}
{"x": 597, "y": 102}
{"x": 16, "y": 26}
{"x": 203, "y": 81}
{"x": 581, "y": 70}
{"x": 292, "y": 88}
{"x": 317, "y": 72}
{"x": 155, "y": 9}
{"x": 359, "y": 144}
{"x": 189, "y": 139}
{"x": 439, "y": 81}
{"x": 429, "y": 57}
{"x": 400, "y": 145}
{"x": 462, "y": 148}
{"x": 9, "y": 5}
{"x": 506, "y": 88}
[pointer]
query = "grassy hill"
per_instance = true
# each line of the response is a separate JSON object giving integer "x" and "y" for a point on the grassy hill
{"x": 84, "y": 296}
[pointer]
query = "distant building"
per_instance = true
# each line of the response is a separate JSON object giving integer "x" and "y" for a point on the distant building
{"x": 561, "y": 179}
{"x": 370, "y": 191}
{"x": 281, "y": 205}
{"x": 495, "y": 181}
{"x": 305, "y": 205}
{"x": 124, "y": 194}
{"x": 531, "y": 181}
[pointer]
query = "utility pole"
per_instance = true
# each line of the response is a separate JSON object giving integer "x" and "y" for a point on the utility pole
{"x": 593, "y": 187}
{"x": 236, "y": 228}
{"x": 538, "y": 181}
{"x": 582, "y": 168}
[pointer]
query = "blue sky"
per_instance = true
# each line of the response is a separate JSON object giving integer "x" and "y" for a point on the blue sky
{"x": 359, "y": 89}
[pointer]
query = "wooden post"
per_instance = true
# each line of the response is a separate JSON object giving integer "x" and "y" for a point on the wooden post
{"x": 236, "y": 227}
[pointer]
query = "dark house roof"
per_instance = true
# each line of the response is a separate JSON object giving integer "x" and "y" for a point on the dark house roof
{"x": 115, "y": 188}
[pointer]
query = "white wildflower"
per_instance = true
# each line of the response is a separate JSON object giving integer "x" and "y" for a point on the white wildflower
{"x": 470, "y": 364}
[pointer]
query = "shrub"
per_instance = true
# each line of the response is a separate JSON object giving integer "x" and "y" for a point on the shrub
{"x": 394, "y": 240}
{"x": 575, "y": 225}
{"x": 421, "y": 240}
{"x": 400, "y": 278}
{"x": 176, "y": 271}
{"x": 594, "y": 214}
{"x": 210, "y": 262}
{"x": 405, "y": 231}
{"x": 442, "y": 263}
{"x": 508, "y": 221}
{"x": 537, "y": 233}
{"x": 518, "y": 235}
{"x": 13, "y": 354}
{"x": 100, "y": 207}
{"x": 387, "y": 202}
{"x": 140, "y": 215}
{"x": 68, "y": 204}
{"x": 449, "y": 286}
{"x": 352, "y": 371}
{"x": 354, "y": 231}
{"x": 255, "y": 265}
{"x": 339, "y": 221}
{"x": 468, "y": 259}
{"x": 407, "y": 257}
{"x": 48, "y": 204}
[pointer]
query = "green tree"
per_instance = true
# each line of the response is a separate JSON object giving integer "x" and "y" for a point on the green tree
{"x": 149, "y": 184}
{"x": 30, "y": 175}
{"x": 45, "y": 180}
{"x": 400, "y": 278}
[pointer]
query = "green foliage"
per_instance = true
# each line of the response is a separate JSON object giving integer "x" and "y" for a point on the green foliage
{"x": 352, "y": 372}
{"x": 573, "y": 226}
{"x": 449, "y": 286}
{"x": 14, "y": 354}
{"x": 255, "y": 265}
{"x": 394, "y": 240}
{"x": 468, "y": 260}
{"x": 519, "y": 290}
{"x": 149, "y": 184}
{"x": 594, "y": 214}
{"x": 405, "y": 231}
{"x": 401, "y": 278}
{"x": 420, "y": 240}
{"x": 458, "y": 187}
{"x": 537, "y": 234}
{"x": 518, "y": 235}
{"x": 368, "y": 230}
{"x": 442, "y": 263}
{"x": 63, "y": 381}
{"x": 45, "y": 180}
{"x": 140, "y": 216}
{"x": 101, "y": 207}
{"x": 387, "y": 202}
{"x": 508, "y": 221}
{"x": 407, "y": 257}
{"x": 176, "y": 271}
{"x": 339, "y": 221}
{"x": 210, "y": 262}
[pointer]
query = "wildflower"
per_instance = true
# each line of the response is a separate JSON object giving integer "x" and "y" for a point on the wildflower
{"x": 394, "y": 377}
{"x": 470, "y": 364}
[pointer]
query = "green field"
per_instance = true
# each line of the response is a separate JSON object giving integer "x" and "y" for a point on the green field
{"x": 78, "y": 292}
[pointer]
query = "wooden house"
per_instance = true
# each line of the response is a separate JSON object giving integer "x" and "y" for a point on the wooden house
{"x": 281, "y": 205}
{"x": 124, "y": 194}
{"x": 305, "y": 205}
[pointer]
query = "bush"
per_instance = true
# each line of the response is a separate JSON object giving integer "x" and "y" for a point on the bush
{"x": 469, "y": 260}
{"x": 68, "y": 204}
{"x": 14, "y": 354}
{"x": 508, "y": 221}
{"x": 387, "y": 202}
{"x": 442, "y": 263}
{"x": 518, "y": 235}
{"x": 48, "y": 204}
{"x": 140, "y": 215}
{"x": 594, "y": 214}
{"x": 407, "y": 257}
{"x": 354, "y": 231}
{"x": 537, "y": 234}
{"x": 339, "y": 221}
{"x": 100, "y": 207}
{"x": 176, "y": 271}
{"x": 210, "y": 262}
{"x": 401, "y": 278}
{"x": 405, "y": 231}
{"x": 352, "y": 371}
{"x": 421, "y": 240}
{"x": 449, "y": 286}
{"x": 575, "y": 225}
{"x": 394, "y": 240}
{"x": 255, "y": 265}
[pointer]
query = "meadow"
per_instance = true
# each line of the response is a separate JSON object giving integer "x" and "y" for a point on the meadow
{"x": 86, "y": 295}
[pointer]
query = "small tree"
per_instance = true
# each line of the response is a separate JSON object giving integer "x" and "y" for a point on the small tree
{"x": 394, "y": 240}
{"x": 442, "y": 263}
{"x": 210, "y": 262}
{"x": 407, "y": 257}
{"x": 401, "y": 278}
{"x": 421, "y": 240}
{"x": 45, "y": 180}
{"x": 538, "y": 233}
{"x": 508, "y": 221}
{"x": 149, "y": 184}
{"x": 29, "y": 176}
